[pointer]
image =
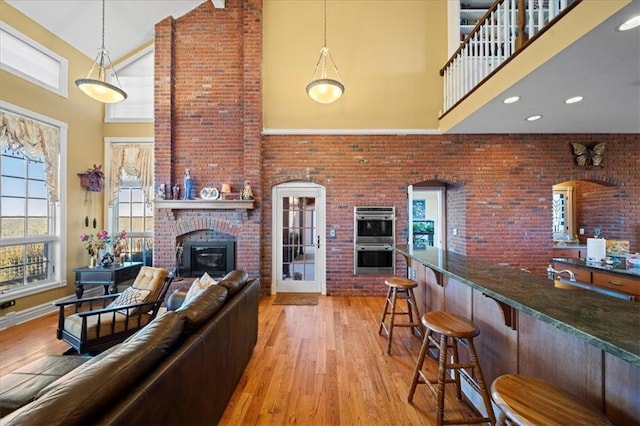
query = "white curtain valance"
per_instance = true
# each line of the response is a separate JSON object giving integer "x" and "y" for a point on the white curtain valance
{"x": 35, "y": 141}
{"x": 135, "y": 160}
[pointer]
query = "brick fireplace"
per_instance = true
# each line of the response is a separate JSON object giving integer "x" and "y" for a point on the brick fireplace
{"x": 208, "y": 117}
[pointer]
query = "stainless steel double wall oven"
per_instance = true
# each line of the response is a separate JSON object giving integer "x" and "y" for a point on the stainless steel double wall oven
{"x": 374, "y": 240}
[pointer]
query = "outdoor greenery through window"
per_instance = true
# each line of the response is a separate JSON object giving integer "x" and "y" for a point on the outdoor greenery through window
{"x": 27, "y": 219}
{"x": 135, "y": 216}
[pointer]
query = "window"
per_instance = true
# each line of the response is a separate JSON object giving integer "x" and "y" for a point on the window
{"x": 135, "y": 215}
{"x": 30, "y": 214}
{"x": 136, "y": 76}
{"x": 31, "y": 61}
{"x": 129, "y": 175}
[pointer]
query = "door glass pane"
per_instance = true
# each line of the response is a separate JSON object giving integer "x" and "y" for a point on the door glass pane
{"x": 299, "y": 238}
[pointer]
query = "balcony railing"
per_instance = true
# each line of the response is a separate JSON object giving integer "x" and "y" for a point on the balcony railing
{"x": 505, "y": 29}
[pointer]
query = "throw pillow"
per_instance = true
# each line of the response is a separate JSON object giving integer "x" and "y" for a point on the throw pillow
{"x": 198, "y": 286}
{"x": 130, "y": 296}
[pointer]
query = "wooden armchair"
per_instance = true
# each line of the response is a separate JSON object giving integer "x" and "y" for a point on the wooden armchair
{"x": 94, "y": 324}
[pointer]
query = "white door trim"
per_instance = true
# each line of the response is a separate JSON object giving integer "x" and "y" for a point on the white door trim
{"x": 298, "y": 189}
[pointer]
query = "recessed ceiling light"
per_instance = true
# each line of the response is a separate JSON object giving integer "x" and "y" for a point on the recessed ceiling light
{"x": 534, "y": 117}
{"x": 574, "y": 100}
{"x": 630, "y": 24}
{"x": 511, "y": 99}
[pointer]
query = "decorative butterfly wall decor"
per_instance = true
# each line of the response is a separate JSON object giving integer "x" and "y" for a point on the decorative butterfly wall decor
{"x": 585, "y": 155}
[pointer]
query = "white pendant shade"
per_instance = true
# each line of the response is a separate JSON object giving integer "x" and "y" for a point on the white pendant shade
{"x": 101, "y": 91}
{"x": 97, "y": 87}
{"x": 322, "y": 88}
{"x": 325, "y": 90}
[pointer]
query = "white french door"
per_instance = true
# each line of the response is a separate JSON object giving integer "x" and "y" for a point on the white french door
{"x": 298, "y": 238}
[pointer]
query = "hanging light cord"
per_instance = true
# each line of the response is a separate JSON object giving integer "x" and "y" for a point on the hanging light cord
{"x": 103, "y": 9}
{"x": 104, "y": 52}
{"x": 325, "y": 23}
{"x": 324, "y": 52}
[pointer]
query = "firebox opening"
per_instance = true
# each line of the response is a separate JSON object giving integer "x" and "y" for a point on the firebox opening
{"x": 216, "y": 258}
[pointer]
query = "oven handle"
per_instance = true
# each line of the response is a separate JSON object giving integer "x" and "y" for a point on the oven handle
{"x": 374, "y": 217}
{"x": 374, "y": 247}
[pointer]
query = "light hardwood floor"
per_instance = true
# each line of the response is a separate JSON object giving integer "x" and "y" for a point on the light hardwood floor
{"x": 312, "y": 365}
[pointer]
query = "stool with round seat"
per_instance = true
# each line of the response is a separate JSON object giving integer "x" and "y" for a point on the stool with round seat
{"x": 450, "y": 329}
{"x": 399, "y": 288}
{"x": 526, "y": 400}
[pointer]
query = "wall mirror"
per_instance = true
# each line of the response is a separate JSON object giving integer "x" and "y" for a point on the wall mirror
{"x": 563, "y": 208}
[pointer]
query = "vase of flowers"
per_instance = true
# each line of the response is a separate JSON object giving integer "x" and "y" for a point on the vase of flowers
{"x": 98, "y": 244}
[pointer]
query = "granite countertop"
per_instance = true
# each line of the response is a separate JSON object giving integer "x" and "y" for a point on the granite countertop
{"x": 607, "y": 323}
{"x": 618, "y": 267}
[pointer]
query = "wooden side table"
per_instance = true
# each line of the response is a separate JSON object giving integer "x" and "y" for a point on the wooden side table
{"x": 108, "y": 277}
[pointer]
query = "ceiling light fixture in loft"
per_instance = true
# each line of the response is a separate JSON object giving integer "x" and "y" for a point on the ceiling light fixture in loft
{"x": 574, "y": 100}
{"x": 98, "y": 88}
{"x": 630, "y": 24}
{"x": 323, "y": 89}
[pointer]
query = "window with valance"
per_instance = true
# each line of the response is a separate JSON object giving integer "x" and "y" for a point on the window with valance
{"x": 33, "y": 140}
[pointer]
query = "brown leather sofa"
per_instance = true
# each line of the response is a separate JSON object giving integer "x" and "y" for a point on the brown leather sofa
{"x": 181, "y": 369}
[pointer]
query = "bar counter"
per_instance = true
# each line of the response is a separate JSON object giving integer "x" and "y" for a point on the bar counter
{"x": 581, "y": 341}
{"x": 607, "y": 323}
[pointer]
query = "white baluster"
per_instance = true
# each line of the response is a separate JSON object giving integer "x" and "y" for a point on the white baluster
{"x": 530, "y": 17}
{"x": 553, "y": 9}
{"x": 540, "y": 14}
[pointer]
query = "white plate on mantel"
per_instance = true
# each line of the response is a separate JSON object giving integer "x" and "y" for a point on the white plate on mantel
{"x": 209, "y": 194}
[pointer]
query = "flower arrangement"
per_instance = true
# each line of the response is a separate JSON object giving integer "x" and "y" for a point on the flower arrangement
{"x": 101, "y": 240}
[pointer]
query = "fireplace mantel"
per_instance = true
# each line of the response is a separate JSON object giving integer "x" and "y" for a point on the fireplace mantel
{"x": 204, "y": 204}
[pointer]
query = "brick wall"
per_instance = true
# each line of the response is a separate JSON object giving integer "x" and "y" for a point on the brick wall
{"x": 208, "y": 117}
{"x": 498, "y": 191}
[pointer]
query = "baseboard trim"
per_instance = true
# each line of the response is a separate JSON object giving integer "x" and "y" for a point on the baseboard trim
{"x": 19, "y": 317}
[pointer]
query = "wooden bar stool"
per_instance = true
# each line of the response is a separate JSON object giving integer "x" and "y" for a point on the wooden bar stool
{"x": 526, "y": 400}
{"x": 451, "y": 330}
{"x": 399, "y": 288}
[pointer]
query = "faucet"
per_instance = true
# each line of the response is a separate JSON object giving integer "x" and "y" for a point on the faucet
{"x": 551, "y": 271}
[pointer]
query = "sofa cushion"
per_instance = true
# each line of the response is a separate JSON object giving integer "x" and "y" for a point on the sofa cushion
{"x": 201, "y": 308}
{"x": 234, "y": 281}
{"x": 89, "y": 390}
{"x": 23, "y": 385}
{"x": 117, "y": 320}
{"x": 198, "y": 286}
{"x": 176, "y": 299}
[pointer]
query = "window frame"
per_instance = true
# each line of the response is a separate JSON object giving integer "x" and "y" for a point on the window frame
{"x": 36, "y": 49}
{"x": 59, "y": 239}
{"x": 113, "y": 210}
{"x": 110, "y": 110}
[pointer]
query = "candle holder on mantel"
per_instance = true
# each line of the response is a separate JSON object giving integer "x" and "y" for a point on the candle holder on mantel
{"x": 225, "y": 191}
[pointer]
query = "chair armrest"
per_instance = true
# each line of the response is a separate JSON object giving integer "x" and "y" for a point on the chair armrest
{"x": 114, "y": 309}
{"x": 88, "y": 299}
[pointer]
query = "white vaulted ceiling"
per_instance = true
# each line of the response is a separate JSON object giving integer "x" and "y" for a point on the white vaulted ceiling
{"x": 603, "y": 66}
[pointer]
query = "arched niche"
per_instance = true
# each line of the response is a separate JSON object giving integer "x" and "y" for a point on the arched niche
{"x": 587, "y": 206}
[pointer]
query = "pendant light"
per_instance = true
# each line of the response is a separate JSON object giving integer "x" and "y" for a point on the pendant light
{"x": 323, "y": 89}
{"x": 98, "y": 88}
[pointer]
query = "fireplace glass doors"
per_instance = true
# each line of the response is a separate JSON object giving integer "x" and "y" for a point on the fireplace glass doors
{"x": 216, "y": 258}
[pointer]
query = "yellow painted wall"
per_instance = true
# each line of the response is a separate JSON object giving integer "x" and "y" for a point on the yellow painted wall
{"x": 85, "y": 147}
{"x": 388, "y": 54}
